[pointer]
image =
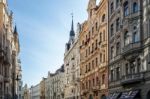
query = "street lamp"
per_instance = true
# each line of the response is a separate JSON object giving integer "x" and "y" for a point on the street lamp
{"x": 14, "y": 95}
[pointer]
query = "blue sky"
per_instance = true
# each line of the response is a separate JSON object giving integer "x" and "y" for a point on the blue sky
{"x": 43, "y": 27}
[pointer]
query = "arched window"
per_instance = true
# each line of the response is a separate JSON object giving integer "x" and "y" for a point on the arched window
{"x": 126, "y": 38}
{"x": 103, "y": 18}
{"x": 148, "y": 95}
{"x": 103, "y": 79}
{"x": 103, "y": 97}
{"x": 135, "y": 7}
{"x": 135, "y": 35}
{"x": 126, "y": 9}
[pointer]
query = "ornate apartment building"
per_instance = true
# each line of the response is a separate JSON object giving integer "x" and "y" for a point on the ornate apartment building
{"x": 9, "y": 51}
{"x": 54, "y": 84}
{"x": 72, "y": 65}
{"x": 129, "y": 50}
{"x": 94, "y": 52}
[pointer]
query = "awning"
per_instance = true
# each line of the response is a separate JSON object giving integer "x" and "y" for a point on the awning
{"x": 114, "y": 96}
{"x": 129, "y": 94}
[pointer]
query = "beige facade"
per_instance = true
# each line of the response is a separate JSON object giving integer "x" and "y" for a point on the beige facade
{"x": 54, "y": 84}
{"x": 42, "y": 89}
{"x": 129, "y": 49}
{"x": 94, "y": 52}
{"x": 72, "y": 66}
{"x": 9, "y": 51}
{"x": 25, "y": 92}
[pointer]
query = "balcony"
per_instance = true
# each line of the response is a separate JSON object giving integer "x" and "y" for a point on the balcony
{"x": 132, "y": 78}
{"x": 132, "y": 47}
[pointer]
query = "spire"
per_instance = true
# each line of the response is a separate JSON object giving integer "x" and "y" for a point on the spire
{"x": 15, "y": 30}
{"x": 72, "y": 28}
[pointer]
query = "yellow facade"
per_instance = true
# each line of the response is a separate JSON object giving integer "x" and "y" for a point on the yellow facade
{"x": 94, "y": 52}
{"x": 42, "y": 89}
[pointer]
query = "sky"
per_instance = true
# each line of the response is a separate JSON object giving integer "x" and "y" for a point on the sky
{"x": 43, "y": 27}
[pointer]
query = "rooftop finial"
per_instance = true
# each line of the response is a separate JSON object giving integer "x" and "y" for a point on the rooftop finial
{"x": 72, "y": 23}
{"x": 72, "y": 27}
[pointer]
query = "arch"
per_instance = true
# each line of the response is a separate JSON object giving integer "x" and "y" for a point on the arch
{"x": 90, "y": 97}
{"x": 148, "y": 95}
{"x": 103, "y": 97}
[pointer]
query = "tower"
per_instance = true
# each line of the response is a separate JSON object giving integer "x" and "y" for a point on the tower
{"x": 72, "y": 33}
{"x": 71, "y": 36}
{"x": 91, "y": 6}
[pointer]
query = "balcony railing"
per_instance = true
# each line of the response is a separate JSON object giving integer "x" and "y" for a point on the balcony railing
{"x": 132, "y": 78}
{"x": 132, "y": 47}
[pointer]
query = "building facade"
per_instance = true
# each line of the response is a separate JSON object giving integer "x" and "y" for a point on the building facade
{"x": 129, "y": 49}
{"x": 54, "y": 84}
{"x": 25, "y": 92}
{"x": 42, "y": 88}
{"x": 94, "y": 52}
{"x": 72, "y": 66}
{"x": 9, "y": 52}
{"x": 35, "y": 92}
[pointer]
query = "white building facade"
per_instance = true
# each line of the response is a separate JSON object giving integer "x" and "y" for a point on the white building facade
{"x": 71, "y": 64}
{"x": 54, "y": 85}
{"x": 35, "y": 92}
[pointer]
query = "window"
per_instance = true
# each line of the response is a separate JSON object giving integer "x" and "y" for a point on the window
{"x": 103, "y": 79}
{"x": 135, "y": 35}
{"x": 92, "y": 30}
{"x": 96, "y": 62}
{"x": 93, "y": 64}
{"x": 100, "y": 57}
{"x": 100, "y": 37}
{"x": 103, "y": 18}
{"x": 112, "y": 75}
{"x": 86, "y": 52}
{"x": 118, "y": 73}
{"x": 126, "y": 38}
{"x": 93, "y": 82}
{"x": 104, "y": 35}
{"x": 89, "y": 35}
{"x": 112, "y": 7}
{"x": 89, "y": 50}
{"x": 118, "y": 49}
{"x": 117, "y": 3}
{"x": 126, "y": 9}
{"x": 89, "y": 83}
{"x": 97, "y": 80}
{"x": 112, "y": 29}
{"x": 112, "y": 52}
{"x": 86, "y": 69}
{"x": 104, "y": 56}
{"x": 135, "y": 7}
{"x": 89, "y": 66}
{"x": 138, "y": 65}
{"x": 117, "y": 24}
{"x": 96, "y": 44}
{"x": 92, "y": 47}
{"x": 127, "y": 69}
{"x": 132, "y": 67}
{"x": 96, "y": 26}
